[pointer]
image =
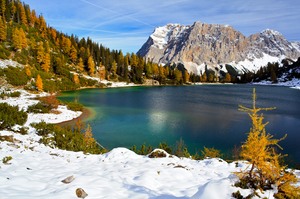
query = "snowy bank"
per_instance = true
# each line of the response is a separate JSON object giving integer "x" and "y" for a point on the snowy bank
{"x": 27, "y": 99}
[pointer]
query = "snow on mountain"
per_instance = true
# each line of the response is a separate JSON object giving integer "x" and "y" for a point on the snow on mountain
{"x": 162, "y": 35}
{"x": 296, "y": 45}
{"x": 213, "y": 45}
{"x": 255, "y": 63}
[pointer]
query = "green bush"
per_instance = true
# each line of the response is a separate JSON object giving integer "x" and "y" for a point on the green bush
{"x": 4, "y": 53}
{"x": 65, "y": 138}
{"x": 15, "y": 94}
{"x": 10, "y": 116}
{"x": 15, "y": 76}
{"x": 39, "y": 108}
{"x": 51, "y": 86}
{"x": 211, "y": 153}
{"x": 74, "y": 106}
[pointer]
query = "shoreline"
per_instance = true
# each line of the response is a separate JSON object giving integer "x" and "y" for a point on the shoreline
{"x": 87, "y": 113}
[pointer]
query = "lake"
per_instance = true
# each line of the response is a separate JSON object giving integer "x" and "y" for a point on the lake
{"x": 204, "y": 115}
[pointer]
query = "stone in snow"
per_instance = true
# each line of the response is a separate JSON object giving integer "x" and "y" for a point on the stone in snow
{"x": 80, "y": 193}
{"x": 68, "y": 180}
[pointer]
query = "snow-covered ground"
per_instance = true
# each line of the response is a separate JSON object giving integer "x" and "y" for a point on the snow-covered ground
{"x": 6, "y": 63}
{"x": 27, "y": 99}
{"x": 36, "y": 171}
{"x": 294, "y": 83}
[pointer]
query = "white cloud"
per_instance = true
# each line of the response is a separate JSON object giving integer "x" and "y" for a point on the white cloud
{"x": 110, "y": 19}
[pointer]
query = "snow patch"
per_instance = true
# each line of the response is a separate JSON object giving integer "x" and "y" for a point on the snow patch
{"x": 6, "y": 63}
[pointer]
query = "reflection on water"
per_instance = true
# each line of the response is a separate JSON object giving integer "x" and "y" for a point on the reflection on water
{"x": 204, "y": 115}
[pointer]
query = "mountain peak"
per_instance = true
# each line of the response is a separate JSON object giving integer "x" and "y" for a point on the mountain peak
{"x": 271, "y": 32}
{"x": 211, "y": 45}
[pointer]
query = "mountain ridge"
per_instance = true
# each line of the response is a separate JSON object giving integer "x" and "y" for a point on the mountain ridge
{"x": 211, "y": 45}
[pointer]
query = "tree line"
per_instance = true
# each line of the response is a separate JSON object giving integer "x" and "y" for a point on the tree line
{"x": 26, "y": 38}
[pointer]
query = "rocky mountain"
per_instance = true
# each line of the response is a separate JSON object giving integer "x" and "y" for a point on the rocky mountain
{"x": 209, "y": 45}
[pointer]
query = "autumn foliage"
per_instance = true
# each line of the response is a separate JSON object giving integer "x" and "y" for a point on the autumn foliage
{"x": 259, "y": 149}
{"x": 39, "y": 83}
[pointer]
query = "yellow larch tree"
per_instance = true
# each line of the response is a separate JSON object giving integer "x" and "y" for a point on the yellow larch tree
{"x": 3, "y": 8}
{"x": 39, "y": 83}
{"x": 90, "y": 144}
{"x": 13, "y": 9}
{"x": 46, "y": 62}
{"x": 19, "y": 39}
{"x": 23, "y": 14}
{"x": 33, "y": 18}
{"x": 3, "y": 29}
{"x": 23, "y": 39}
{"x": 40, "y": 53}
{"x": 76, "y": 79}
{"x": 80, "y": 65}
{"x": 227, "y": 78}
{"x": 42, "y": 26}
{"x": 91, "y": 65}
{"x": 16, "y": 39}
{"x": 186, "y": 76}
{"x": 259, "y": 149}
{"x": 27, "y": 70}
{"x": 73, "y": 54}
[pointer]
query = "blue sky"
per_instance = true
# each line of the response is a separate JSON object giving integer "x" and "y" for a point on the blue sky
{"x": 127, "y": 24}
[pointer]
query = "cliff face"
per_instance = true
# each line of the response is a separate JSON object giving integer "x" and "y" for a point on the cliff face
{"x": 213, "y": 45}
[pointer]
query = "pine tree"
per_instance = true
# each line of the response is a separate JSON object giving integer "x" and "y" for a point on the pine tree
{"x": 40, "y": 53}
{"x": 76, "y": 79}
{"x": 80, "y": 65}
{"x": 178, "y": 75}
{"x": 203, "y": 78}
{"x": 90, "y": 144}
{"x": 23, "y": 14}
{"x": 33, "y": 18}
{"x": 13, "y": 9}
{"x": 19, "y": 39}
{"x": 28, "y": 71}
{"x": 16, "y": 39}
{"x": 23, "y": 39}
{"x": 3, "y": 8}
{"x": 227, "y": 78}
{"x": 39, "y": 83}
{"x": 3, "y": 29}
{"x": 73, "y": 54}
{"x": 186, "y": 76}
{"x": 265, "y": 169}
{"x": 91, "y": 65}
{"x": 46, "y": 62}
{"x": 113, "y": 69}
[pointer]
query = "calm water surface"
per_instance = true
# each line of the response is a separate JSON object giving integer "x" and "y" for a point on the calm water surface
{"x": 205, "y": 115}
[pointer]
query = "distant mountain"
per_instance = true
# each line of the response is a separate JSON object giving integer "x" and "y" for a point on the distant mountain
{"x": 201, "y": 46}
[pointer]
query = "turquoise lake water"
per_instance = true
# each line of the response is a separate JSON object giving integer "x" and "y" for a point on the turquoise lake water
{"x": 204, "y": 115}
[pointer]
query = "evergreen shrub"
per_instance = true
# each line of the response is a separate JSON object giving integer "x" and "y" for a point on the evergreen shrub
{"x": 10, "y": 116}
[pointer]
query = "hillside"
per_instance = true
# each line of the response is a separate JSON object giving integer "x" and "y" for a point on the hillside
{"x": 201, "y": 46}
{"x": 63, "y": 61}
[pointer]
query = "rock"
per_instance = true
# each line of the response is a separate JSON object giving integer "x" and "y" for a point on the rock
{"x": 68, "y": 180}
{"x": 80, "y": 193}
{"x": 212, "y": 45}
